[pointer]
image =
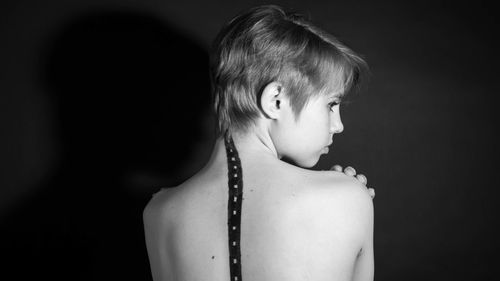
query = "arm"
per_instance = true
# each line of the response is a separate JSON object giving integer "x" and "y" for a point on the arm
{"x": 352, "y": 224}
{"x": 364, "y": 267}
{"x": 155, "y": 231}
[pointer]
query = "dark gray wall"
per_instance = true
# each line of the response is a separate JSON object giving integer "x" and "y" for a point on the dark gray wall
{"x": 90, "y": 93}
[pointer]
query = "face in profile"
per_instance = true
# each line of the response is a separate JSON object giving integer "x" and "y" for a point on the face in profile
{"x": 305, "y": 139}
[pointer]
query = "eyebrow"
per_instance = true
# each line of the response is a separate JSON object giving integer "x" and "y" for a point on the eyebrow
{"x": 337, "y": 96}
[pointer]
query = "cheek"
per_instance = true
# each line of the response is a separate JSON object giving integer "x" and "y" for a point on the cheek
{"x": 324, "y": 123}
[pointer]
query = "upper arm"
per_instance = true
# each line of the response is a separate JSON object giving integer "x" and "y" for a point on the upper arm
{"x": 364, "y": 266}
{"x": 338, "y": 226}
{"x": 155, "y": 231}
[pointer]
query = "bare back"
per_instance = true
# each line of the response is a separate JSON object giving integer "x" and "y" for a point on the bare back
{"x": 293, "y": 227}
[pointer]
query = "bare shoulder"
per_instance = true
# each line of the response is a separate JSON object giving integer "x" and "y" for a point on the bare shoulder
{"x": 331, "y": 216}
{"x": 333, "y": 190}
{"x": 341, "y": 204}
{"x": 344, "y": 214}
{"x": 156, "y": 209}
{"x": 190, "y": 200}
{"x": 337, "y": 201}
{"x": 160, "y": 216}
{"x": 170, "y": 201}
{"x": 345, "y": 191}
{"x": 325, "y": 195}
{"x": 157, "y": 213}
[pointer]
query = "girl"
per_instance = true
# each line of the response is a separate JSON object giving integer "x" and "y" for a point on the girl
{"x": 278, "y": 82}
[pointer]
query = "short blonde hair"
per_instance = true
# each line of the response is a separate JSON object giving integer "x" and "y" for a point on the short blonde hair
{"x": 266, "y": 44}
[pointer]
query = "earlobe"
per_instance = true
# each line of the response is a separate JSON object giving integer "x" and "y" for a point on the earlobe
{"x": 271, "y": 100}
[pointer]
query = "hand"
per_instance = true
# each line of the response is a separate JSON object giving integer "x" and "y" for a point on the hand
{"x": 350, "y": 171}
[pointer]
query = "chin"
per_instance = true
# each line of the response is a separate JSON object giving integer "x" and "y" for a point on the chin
{"x": 301, "y": 160}
{"x": 308, "y": 163}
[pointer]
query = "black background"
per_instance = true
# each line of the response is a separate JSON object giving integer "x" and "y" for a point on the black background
{"x": 103, "y": 102}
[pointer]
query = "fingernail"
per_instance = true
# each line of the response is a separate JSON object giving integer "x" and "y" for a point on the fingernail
{"x": 337, "y": 168}
{"x": 351, "y": 169}
{"x": 362, "y": 178}
{"x": 372, "y": 192}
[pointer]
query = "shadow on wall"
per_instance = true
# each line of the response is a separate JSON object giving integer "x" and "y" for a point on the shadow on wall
{"x": 132, "y": 99}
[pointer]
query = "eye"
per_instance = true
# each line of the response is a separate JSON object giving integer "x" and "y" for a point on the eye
{"x": 332, "y": 104}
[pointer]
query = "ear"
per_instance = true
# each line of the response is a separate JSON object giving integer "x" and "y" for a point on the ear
{"x": 271, "y": 100}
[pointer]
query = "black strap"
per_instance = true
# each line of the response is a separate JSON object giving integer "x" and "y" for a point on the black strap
{"x": 235, "y": 197}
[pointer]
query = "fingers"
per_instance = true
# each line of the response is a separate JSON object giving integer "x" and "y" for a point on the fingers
{"x": 350, "y": 171}
{"x": 371, "y": 191}
{"x": 362, "y": 178}
{"x": 337, "y": 168}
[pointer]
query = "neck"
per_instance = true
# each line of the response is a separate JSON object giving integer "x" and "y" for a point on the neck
{"x": 255, "y": 142}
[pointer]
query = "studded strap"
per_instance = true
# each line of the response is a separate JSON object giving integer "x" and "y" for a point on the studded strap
{"x": 235, "y": 197}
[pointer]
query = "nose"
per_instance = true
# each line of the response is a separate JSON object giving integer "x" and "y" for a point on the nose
{"x": 336, "y": 125}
